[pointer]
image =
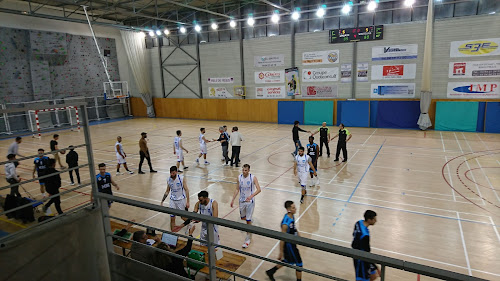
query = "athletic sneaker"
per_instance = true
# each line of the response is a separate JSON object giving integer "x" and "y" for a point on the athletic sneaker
{"x": 185, "y": 168}
{"x": 311, "y": 183}
{"x": 207, "y": 163}
{"x": 180, "y": 172}
{"x": 118, "y": 173}
{"x": 197, "y": 160}
{"x": 72, "y": 183}
{"x": 336, "y": 160}
{"x": 130, "y": 172}
{"x": 302, "y": 200}
{"x": 270, "y": 275}
{"x": 140, "y": 172}
{"x": 245, "y": 244}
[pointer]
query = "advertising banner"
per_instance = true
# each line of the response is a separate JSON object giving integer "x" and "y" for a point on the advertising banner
{"x": 277, "y": 92}
{"x": 320, "y": 57}
{"x": 219, "y": 93}
{"x": 389, "y": 91}
{"x": 474, "y": 90}
{"x": 397, "y": 71}
{"x": 474, "y": 69}
{"x": 345, "y": 73}
{"x": 362, "y": 72}
{"x": 269, "y": 61}
{"x": 395, "y": 52}
{"x": 292, "y": 81}
{"x": 475, "y": 48}
{"x": 221, "y": 80}
{"x": 320, "y": 91}
{"x": 269, "y": 77}
{"x": 320, "y": 75}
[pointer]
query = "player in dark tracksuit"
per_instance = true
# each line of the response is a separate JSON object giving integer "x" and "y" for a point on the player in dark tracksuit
{"x": 342, "y": 143}
{"x": 312, "y": 151}
{"x": 365, "y": 271}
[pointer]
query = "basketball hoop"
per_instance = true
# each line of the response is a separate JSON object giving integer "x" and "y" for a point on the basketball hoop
{"x": 123, "y": 99}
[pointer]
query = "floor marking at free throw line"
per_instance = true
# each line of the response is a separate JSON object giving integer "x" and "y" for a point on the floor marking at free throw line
{"x": 442, "y": 141}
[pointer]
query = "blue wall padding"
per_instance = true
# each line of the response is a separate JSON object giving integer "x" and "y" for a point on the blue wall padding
{"x": 373, "y": 113}
{"x": 398, "y": 114}
{"x": 354, "y": 113}
{"x": 492, "y": 122}
{"x": 480, "y": 117}
{"x": 317, "y": 112}
{"x": 456, "y": 116}
{"x": 289, "y": 111}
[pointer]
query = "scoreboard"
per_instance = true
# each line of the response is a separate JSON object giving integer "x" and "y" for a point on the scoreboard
{"x": 357, "y": 34}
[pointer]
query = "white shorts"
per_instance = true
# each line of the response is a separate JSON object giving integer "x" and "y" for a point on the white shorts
{"x": 120, "y": 159}
{"x": 203, "y": 149}
{"x": 303, "y": 176}
{"x": 180, "y": 155}
{"x": 178, "y": 204}
{"x": 246, "y": 210}
{"x": 203, "y": 234}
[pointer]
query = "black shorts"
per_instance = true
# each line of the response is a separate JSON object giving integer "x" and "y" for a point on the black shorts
{"x": 364, "y": 270}
{"x": 315, "y": 164}
{"x": 292, "y": 255}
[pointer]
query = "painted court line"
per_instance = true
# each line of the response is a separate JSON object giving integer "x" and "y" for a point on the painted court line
{"x": 463, "y": 244}
{"x": 495, "y": 228}
{"x": 449, "y": 176}
{"x": 442, "y": 141}
{"x": 488, "y": 180}
{"x": 369, "y": 137}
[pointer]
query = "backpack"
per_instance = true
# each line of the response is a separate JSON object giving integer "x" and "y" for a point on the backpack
{"x": 195, "y": 255}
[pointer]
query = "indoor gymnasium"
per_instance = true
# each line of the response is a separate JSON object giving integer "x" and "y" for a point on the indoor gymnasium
{"x": 250, "y": 140}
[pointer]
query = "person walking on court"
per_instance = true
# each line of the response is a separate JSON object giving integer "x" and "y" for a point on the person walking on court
{"x": 179, "y": 194}
{"x": 14, "y": 147}
{"x": 209, "y": 207}
{"x": 203, "y": 146}
{"x": 224, "y": 142}
{"x": 342, "y": 143}
{"x": 288, "y": 251}
{"x": 120, "y": 156}
{"x": 72, "y": 161}
{"x": 144, "y": 153}
{"x": 11, "y": 175}
{"x": 365, "y": 271}
{"x": 235, "y": 142}
{"x": 324, "y": 138}
{"x": 54, "y": 145}
{"x": 178, "y": 150}
{"x": 41, "y": 164}
{"x": 295, "y": 135}
{"x": 104, "y": 182}
{"x": 248, "y": 187}
{"x": 301, "y": 166}
{"x": 52, "y": 184}
{"x": 312, "y": 151}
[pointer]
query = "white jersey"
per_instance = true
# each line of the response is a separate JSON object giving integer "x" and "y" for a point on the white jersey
{"x": 202, "y": 142}
{"x": 246, "y": 187}
{"x": 302, "y": 163}
{"x": 207, "y": 210}
{"x": 177, "y": 143}
{"x": 176, "y": 188}
{"x": 120, "y": 149}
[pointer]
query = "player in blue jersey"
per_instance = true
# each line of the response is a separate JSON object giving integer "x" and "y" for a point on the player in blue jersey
{"x": 365, "y": 271}
{"x": 104, "y": 182}
{"x": 312, "y": 151}
{"x": 41, "y": 165}
{"x": 288, "y": 251}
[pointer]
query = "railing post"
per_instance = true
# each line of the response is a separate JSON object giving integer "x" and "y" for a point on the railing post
{"x": 382, "y": 273}
{"x": 211, "y": 252}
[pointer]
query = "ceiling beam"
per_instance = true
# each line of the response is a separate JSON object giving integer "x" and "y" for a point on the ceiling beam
{"x": 275, "y": 5}
{"x": 196, "y": 8}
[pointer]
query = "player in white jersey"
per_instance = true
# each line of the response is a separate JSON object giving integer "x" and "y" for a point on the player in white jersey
{"x": 301, "y": 165}
{"x": 203, "y": 146}
{"x": 179, "y": 194}
{"x": 120, "y": 156}
{"x": 248, "y": 187}
{"x": 178, "y": 150}
{"x": 209, "y": 207}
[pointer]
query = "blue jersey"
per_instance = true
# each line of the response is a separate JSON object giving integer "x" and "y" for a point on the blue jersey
{"x": 290, "y": 223}
{"x": 104, "y": 183}
{"x": 361, "y": 237}
{"x": 311, "y": 150}
{"x": 41, "y": 164}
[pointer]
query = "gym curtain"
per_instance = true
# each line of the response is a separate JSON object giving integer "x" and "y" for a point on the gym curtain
{"x": 135, "y": 48}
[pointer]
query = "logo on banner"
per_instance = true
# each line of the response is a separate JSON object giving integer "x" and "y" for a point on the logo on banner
{"x": 479, "y": 47}
{"x": 333, "y": 57}
{"x": 476, "y": 88}
{"x": 393, "y": 70}
{"x": 459, "y": 69}
{"x": 391, "y": 50}
{"x": 311, "y": 91}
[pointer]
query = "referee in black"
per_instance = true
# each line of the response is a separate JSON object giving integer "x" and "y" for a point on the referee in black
{"x": 295, "y": 136}
{"x": 324, "y": 138}
{"x": 342, "y": 143}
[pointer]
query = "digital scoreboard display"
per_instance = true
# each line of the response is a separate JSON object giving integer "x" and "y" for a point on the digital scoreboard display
{"x": 357, "y": 34}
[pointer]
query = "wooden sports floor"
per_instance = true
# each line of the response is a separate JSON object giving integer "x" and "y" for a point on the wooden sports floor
{"x": 437, "y": 194}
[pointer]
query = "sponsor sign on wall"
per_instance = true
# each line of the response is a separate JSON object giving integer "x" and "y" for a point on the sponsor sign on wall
{"x": 321, "y": 57}
{"x": 269, "y": 61}
{"x": 362, "y": 72}
{"x": 219, "y": 92}
{"x": 320, "y": 75}
{"x": 474, "y": 69}
{"x": 221, "y": 80}
{"x": 345, "y": 73}
{"x": 395, "y": 90}
{"x": 397, "y": 71}
{"x": 474, "y": 90}
{"x": 267, "y": 77}
{"x": 395, "y": 52}
{"x": 277, "y": 92}
{"x": 320, "y": 91}
{"x": 292, "y": 81}
{"x": 475, "y": 48}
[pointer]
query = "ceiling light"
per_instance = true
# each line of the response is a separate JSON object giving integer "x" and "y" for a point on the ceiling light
{"x": 232, "y": 23}
{"x": 409, "y": 3}
{"x": 182, "y": 29}
{"x": 372, "y": 5}
{"x": 295, "y": 15}
{"x": 275, "y": 18}
{"x": 166, "y": 31}
{"x": 197, "y": 28}
{"x": 346, "y": 9}
{"x": 214, "y": 26}
{"x": 151, "y": 33}
{"x": 251, "y": 21}
{"x": 142, "y": 34}
{"x": 158, "y": 32}
{"x": 321, "y": 11}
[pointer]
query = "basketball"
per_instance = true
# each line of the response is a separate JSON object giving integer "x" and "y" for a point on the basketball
{"x": 62, "y": 151}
